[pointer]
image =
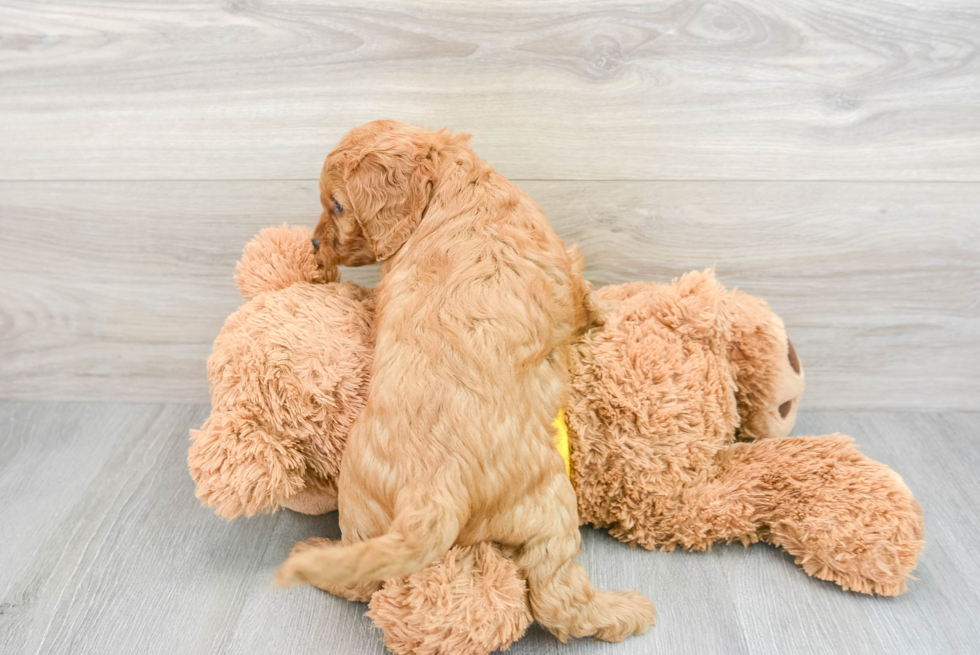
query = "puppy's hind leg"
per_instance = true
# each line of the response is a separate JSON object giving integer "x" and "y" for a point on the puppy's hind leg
{"x": 356, "y": 591}
{"x": 419, "y": 534}
{"x": 562, "y": 598}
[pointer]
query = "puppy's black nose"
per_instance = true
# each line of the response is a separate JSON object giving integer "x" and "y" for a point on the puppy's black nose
{"x": 316, "y": 244}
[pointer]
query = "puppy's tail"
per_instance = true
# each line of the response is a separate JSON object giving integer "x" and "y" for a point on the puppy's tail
{"x": 415, "y": 539}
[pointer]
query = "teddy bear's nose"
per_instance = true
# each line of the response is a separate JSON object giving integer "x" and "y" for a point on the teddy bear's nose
{"x": 316, "y": 244}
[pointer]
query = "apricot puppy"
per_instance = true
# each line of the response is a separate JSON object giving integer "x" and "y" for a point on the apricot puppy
{"x": 478, "y": 303}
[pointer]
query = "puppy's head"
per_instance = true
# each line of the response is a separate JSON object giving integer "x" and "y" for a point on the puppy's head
{"x": 374, "y": 189}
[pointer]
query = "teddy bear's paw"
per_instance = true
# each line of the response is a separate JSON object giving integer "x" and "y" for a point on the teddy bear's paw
{"x": 624, "y": 613}
{"x": 845, "y": 518}
{"x": 318, "y": 497}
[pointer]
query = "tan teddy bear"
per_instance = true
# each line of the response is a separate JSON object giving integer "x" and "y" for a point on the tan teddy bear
{"x": 288, "y": 376}
{"x": 677, "y": 428}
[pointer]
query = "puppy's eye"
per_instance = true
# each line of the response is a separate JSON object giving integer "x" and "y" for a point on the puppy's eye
{"x": 337, "y": 208}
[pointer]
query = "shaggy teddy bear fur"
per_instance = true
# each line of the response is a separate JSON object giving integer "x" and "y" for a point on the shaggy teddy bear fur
{"x": 682, "y": 402}
{"x": 288, "y": 373}
{"x": 474, "y": 600}
{"x": 477, "y": 308}
{"x": 678, "y": 427}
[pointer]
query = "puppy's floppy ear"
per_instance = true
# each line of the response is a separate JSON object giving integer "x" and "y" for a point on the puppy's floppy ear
{"x": 388, "y": 190}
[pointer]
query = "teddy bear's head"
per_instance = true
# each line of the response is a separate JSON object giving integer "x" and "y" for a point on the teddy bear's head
{"x": 288, "y": 376}
{"x": 769, "y": 378}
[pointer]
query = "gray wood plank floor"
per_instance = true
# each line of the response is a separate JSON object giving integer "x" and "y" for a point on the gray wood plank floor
{"x": 104, "y": 549}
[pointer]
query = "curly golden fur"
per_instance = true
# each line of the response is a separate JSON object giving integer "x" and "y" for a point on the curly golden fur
{"x": 651, "y": 398}
{"x": 477, "y": 308}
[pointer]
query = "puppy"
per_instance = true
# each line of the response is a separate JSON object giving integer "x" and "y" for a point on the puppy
{"x": 477, "y": 305}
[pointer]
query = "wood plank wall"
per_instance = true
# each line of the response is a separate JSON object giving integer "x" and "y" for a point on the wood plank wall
{"x": 825, "y": 156}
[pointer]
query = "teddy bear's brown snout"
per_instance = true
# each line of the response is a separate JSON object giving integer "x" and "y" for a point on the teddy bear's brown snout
{"x": 794, "y": 361}
{"x": 789, "y": 386}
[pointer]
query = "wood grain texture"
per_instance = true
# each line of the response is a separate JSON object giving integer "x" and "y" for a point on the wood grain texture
{"x": 107, "y": 551}
{"x": 672, "y": 89}
{"x": 110, "y": 551}
{"x": 116, "y": 290}
{"x": 825, "y": 156}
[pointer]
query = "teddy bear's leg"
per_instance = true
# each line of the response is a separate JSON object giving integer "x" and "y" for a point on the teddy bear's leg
{"x": 356, "y": 591}
{"x": 473, "y": 601}
{"x": 844, "y": 517}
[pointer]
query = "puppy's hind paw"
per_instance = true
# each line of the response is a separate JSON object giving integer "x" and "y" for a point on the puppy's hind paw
{"x": 311, "y": 543}
{"x": 301, "y": 566}
{"x": 626, "y": 613}
{"x": 287, "y": 576}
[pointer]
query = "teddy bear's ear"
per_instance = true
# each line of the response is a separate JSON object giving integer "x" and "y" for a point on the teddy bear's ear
{"x": 278, "y": 257}
{"x": 241, "y": 469}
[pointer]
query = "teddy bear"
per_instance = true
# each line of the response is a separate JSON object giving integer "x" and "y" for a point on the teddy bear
{"x": 678, "y": 421}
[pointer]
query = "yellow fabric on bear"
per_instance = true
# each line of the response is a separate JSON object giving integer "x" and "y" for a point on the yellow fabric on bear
{"x": 561, "y": 441}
